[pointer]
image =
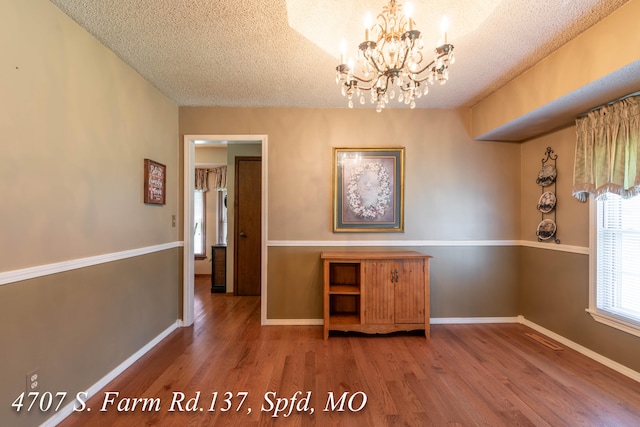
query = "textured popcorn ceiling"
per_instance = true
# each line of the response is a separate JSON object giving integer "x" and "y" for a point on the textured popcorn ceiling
{"x": 284, "y": 53}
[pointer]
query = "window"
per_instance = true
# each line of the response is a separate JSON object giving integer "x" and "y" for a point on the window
{"x": 615, "y": 269}
{"x": 199, "y": 219}
{"x": 222, "y": 217}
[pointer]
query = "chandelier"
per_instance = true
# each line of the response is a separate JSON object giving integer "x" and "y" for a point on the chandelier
{"x": 390, "y": 60}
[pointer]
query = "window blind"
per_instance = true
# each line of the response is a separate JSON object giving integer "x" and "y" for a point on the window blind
{"x": 618, "y": 257}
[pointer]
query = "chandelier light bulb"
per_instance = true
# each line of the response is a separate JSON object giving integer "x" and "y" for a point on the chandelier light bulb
{"x": 444, "y": 27}
{"x": 408, "y": 12}
{"x": 368, "y": 22}
{"x": 343, "y": 50}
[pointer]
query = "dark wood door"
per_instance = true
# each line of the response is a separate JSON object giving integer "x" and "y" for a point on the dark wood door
{"x": 247, "y": 225}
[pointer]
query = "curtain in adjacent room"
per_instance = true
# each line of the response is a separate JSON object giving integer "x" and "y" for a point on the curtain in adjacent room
{"x": 608, "y": 151}
{"x": 219, "y": 176}
{"x": 202, "y": 180}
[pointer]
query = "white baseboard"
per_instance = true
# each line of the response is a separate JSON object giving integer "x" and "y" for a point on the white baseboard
{"x": 293, "y": 322}
{"x": 68, "y": 410}
{"x": 469, "y": 320}
{"x": 583, "y": 350}
{"x": 434, "y": 321}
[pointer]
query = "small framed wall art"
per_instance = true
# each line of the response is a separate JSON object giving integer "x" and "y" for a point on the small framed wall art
{"x": 155, "y": 180}
{"x": 368, "y": 189}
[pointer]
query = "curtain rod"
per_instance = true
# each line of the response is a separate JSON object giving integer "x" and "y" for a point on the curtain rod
{"x": 608, "y": 103}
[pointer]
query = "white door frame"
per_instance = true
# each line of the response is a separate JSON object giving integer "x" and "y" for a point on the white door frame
{"x": 190, "y": 142}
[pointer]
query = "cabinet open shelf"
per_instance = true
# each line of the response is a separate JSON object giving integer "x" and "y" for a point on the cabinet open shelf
{"x": 344, "y": 274}
{"x": 344, "y": 308}
{"x": 344, "y": 289}
{"x": 345, "y": 319}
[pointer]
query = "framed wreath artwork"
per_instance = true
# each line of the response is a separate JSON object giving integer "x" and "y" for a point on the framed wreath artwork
{"x": 368, "y": 189}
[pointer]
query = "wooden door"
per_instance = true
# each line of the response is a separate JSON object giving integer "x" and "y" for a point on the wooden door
{"x": 378, "y": 292}
{"x": 247, "y": 225}
{"x": 409, "y": 291}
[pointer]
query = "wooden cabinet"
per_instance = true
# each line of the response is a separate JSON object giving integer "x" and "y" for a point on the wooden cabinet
{"x": 376, "y": 292}
{"x": 219, "y": 268}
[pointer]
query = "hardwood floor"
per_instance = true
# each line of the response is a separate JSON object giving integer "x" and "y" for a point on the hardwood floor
{"x": 465, "y": 375}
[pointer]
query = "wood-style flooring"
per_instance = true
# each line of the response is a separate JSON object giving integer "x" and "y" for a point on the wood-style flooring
{"x": 465, "y": 375}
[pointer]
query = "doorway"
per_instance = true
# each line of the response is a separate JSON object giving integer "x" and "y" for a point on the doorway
{"x": 190, "y": 141}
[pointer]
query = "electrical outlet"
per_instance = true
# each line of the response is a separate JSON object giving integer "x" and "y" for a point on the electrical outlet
{"x": 33, "y": 380}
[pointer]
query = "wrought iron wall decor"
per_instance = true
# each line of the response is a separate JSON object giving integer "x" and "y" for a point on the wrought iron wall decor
{"x": 547, "y": 229}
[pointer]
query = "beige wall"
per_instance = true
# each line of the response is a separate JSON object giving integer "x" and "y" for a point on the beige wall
{"x": 77, "y": 124}
{"x": 456, "y": 189}
{"x": 210, "y": 155}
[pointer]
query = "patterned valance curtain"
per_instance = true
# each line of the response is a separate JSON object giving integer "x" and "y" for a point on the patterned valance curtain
{"x": 219, "y": 176}
{"x": 608, "y": 151}
{"x": 202, "y": 179}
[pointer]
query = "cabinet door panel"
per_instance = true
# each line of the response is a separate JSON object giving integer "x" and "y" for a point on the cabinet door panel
{"x": 378, "y": 292}
{"x": 409, "y": 291}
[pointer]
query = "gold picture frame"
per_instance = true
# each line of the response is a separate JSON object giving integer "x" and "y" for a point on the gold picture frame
{"x": 368, "y": 189}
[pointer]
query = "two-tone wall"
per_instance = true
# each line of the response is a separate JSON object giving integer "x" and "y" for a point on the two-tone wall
{"x": 554, "y": 279}
{"x": 462, "y": 202}
{"x": 582, "y": 74}
{"x": 89, "y": 274}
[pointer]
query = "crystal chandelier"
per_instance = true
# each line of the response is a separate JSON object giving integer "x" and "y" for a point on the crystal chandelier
{"x": 391, "y": 62}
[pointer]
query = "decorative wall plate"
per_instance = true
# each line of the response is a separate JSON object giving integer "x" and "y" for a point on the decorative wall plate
{"x": 547, "y": 175}
{"x": 547, "y": 202}
{"x": 546, "y": 229}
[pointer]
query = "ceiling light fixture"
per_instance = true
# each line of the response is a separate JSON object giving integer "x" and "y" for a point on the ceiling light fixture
{"x": 391, "y": 59}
